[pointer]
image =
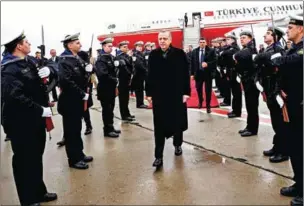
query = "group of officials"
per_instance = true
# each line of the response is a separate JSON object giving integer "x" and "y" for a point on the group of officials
{"x": 26, "y": 106}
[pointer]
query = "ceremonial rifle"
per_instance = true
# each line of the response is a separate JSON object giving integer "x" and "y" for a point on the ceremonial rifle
{"x": 85, "y": 105}
{"x": 282, "y": 93}
{"x": 49, "y": 122}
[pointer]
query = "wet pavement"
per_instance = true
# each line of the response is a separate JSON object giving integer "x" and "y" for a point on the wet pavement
{"x": 122, "y": 171}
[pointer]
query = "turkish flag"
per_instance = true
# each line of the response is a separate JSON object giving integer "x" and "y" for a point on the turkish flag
{"x": 209, "y": 13}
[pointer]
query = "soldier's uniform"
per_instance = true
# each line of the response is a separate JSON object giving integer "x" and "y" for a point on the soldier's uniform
{"x": 106, "y": 90}
{"x": 25, "y": 106}
{"x": 234, "y": 86}
{"x": 224, "y": 72}
{"x": 268, "y": 81}
{"x": 245, "y": 68}
{"x": 291, "y": 69}
{"x": 125, "y": 69}
{"x": 140, "y": 74}
{"x": 73, "y": 82}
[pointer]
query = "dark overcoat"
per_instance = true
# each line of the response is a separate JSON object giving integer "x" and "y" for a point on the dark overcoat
{"x": 168, "y": 80}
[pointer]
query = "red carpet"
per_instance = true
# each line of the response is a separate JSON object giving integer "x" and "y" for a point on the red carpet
{"x": 193, "y": 100}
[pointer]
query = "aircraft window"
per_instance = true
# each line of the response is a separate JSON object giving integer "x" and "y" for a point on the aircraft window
{"x": 152, "y": 22}
{"x": 165, "y": 21}
{"x": 157, "y": 22}
{"x": 169, "y": 21}
{"x": 161, "y": 21}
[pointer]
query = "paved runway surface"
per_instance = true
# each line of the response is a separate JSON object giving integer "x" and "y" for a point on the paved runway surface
{"x": 218, "y": 166}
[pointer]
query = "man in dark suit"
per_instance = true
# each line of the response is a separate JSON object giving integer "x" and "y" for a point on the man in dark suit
{"x": 55, "y": 59}
{"x": 168, "y": 87}
{"x": 203, "y": 64}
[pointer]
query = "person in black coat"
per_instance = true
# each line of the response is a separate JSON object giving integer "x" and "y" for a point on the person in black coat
{"x": 203, "y": 64}
{"x": 25, "y": 108}
{"x": 73, "y": 82}
{"x": 54, "y": 58}
{"x": 168, "y": 88}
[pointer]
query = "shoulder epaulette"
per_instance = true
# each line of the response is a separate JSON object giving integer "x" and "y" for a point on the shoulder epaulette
{"x": 12, "y": 61}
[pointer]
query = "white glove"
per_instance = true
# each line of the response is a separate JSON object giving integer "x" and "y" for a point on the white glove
{"x": 259, "y": 86}
{"x": 253, "y": 57}
{"x": 185, "y": 98}
{"x": 221, "y": 53}
{"x": 218, "y": 69}
{"x": 276, "y": 55}
{"x": 44, "y": 72}
{"x": 89, "y": 68}
{"x": 280, "y": 101}
{"x": 147, "y": 57}
{"x": 47, "y": 112}
{"x": 238, "y": 79}
{"x": 225, "y": 71}
{"x": 233, "y": 57}
{"x": 116, "y": 63}
{"x": 86, "y": 97}
{"x": 134, "y": 59}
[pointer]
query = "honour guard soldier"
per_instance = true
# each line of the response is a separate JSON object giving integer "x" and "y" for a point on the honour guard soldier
{"x": 290, "y": 67}
{"x": 235, "y": 86}
{"x": 73, "y": 81}
{"x": 267, "y": 82}
{"x": 140, "y": 74}
{"x": 25, "y": 109}
{"x": 245, "y": 68}
{"x": 107, "y": 84}
{"x": 125, "y": 68}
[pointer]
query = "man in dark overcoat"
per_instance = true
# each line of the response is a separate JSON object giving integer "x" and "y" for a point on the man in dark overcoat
{"x": 168, "y": 88}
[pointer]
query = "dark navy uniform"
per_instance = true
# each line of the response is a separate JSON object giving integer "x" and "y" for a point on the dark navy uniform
{"x": 140, "y": 75}
{"x": 73, "y": 82}
{"x": 125, "y": 69}
{"x": 269, "y": 79}
{"x": 106, "y": 90}
{"x": 247, "y": 71}
{"x": 291, "y": 69}
{"x": 24, "y": 103}
{"x": 230, "y": 73}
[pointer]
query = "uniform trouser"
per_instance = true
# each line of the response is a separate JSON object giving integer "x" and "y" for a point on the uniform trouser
{"x": 107, "y": 101}
{"x": 278, "y": 125}
{"x": 208, "y": 88}
{"x": 124, "y": 100}
{"x": 87, "y": 118}
{"x": 252, "y": 105}
{"x": 54, "y": 94}
{"x": 296, "y": 144}
{"x": 72, "y": 125}
{"x": 218, "y": 82}
{"x": 160, "y": 139}
{"x": 27, "y": 163}
{"x": 226, "y": 89}
{"x": 139, "y": 92}
{"x": 236, "y": 96}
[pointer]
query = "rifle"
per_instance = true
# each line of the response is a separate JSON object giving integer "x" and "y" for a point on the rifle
{"x": 284, "y": 108}
{"x": 49, "y": 122}
{"x": 85, "y": 105}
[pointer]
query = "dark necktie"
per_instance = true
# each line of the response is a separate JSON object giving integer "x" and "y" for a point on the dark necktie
{"x": 202, "y": 59}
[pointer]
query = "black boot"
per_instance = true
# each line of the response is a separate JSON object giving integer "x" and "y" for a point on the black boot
{"x": 61, "y": 143}
{"x": 290, "y": 191}
{"x": 158, "y": 162}
{"x": 270, "y": 152}
{"x": 278, "y": 158}
{"x": 178, "y": 150}
{"x": 48, "y": 197}
{"x": 87, "y": 159}
{"x": 79, "y": 165}
{"x": 297, "y": 201}
{"x": 111, "y": 134}
{"x": 88, "y": 130}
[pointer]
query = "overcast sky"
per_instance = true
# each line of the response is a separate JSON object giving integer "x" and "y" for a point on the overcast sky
{"x": 61, "y": 18}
